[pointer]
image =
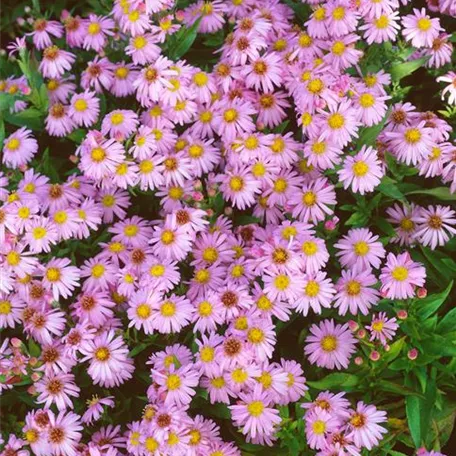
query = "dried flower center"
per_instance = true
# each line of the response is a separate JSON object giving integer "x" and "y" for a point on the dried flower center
{"x": 232, "y": 346}
{"x": 358, "y": 420}
{"x": 435, "y": 222}
{"x": 229, "y": 299}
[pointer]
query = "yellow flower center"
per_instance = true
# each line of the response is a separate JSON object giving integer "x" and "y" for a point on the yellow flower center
{"x": 255, "y": 336}
{"x": 168, "y": 309}
{"x": 360, "y": 168}
{"x": 173, "y": 382}
{"x": 98, "y": 154}
{"x": 255, "y": 408}
{"x": 424, "y": 24}
{"x": 157, "y": 270}
{"x": 315, "y": 86}
{"x": 143, "y": 311}
{"x": 353, "y": 288}
{"x": 207, "y": 354}
{"x": 80, "y": 105}
{"x": 319, "y": 427}
{"x": 338, "y": 48}
{"x": 13, "y": 144}
{"x": 336, "y": 121}
{"x": 309, "y": 198}
{"x": 282, "y": 282}
{"x": 366, "y": 100}
{"x": 13, "y": 258}
{"x": 205, "y": 309}
{"x": 5, "y": 307}
{"x": 98, "y": 270}
{"x": 230, "y": 115}
{"x": 400, "y": 273}
{"x": 412, "y": 135}
{"x": 361, "y": 248}
{"x": 39, "y": 232}
{"x": 167, "y": 237}
{"x": 93, "y": 28}
{"x": 328, "y": 343}
{"x": 236, "y": 184}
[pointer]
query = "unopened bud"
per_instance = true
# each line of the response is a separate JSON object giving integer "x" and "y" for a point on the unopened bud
{"x": 197, "y": 196}
{"x": 359, "y": 361}
{"x": 353, "y": 325}
{"x": 228, "y": 211}
{"x": 361, "y": 333}
{"x": 375, "y": 355}
{"x": 179, "y": 15}
{"x": 412, "y": 354}
{"x": 209, "y": 212}
{"x": 20, "y": 21}
{"x": 35, "y": 376}
{"x": 421, "y": 292}
{"x": 387, "y": 347}
{"x": 402, "y": 314}
{"x": 27, "y": 9}
{"x": 211, "y": 192}
{"x": 15, "y": 342}
{"x": 31, "y": 390}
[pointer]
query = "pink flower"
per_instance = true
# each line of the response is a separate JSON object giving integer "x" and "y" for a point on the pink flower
{"x": 401, "y": 276}
{"x": 19, "y": 148}
{"x": 330, "y": 345}
{"x": 255, "y": 415}
{"x": 420, "y": 29}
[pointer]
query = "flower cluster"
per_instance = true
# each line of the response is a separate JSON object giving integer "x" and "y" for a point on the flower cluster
{"x": 243, "y": 163}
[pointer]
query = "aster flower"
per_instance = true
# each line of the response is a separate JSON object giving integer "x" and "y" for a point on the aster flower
{"x": 435, "y": 226}
{"x": 355, "y": 292}
{"x": 382, "y": 328}
{"x": 177, "y": 385}
{"x": 55, "y": 62}
{"x": 64, "y": 432}
{"x": 84, "y": 108}
{"x": 95, "y": 408}
{"x": 19, "y": 148}
{"x": 363, "y": 426}
{"x": 450, "y": 89}
{"x": 57, "y": 389}
{"x": 60, "y": 278}
{"x": 109, "y": 362}
{"x": 43, "y": 29}
{"x": 362, "y": 172}
{"x": 420, "y": 29}
{"x": 400, "y": 276}
{"x": 330, "y": 345}
{"x": 360, "y": 248}
{"x": 239, "y": 186}
{"x": 254, "y": 414}
{"x": 320, "y": 424}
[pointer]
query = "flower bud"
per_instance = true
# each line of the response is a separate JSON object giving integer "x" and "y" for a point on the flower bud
{"x": 179, "y": 15}
{"x": 375, "y": 355}
{"x": 412, "y": 354}
{"x": 20, "y": 21}
{"x": 35, "y": 376}
{"x": 228, "y": 211}
{"x": 387, "y": 347}
{"x": 27, "y": 9}
{"x": 359, "y": 360}
{"x": 421, "y": 292}
{"x": 211, "y": 192}
{"x": 353, "y": 325}
{"x": 210, "y": 212}
{"x": 402, "y": 314}
{"x": 15, "y": 342}
{"x": 361, "y": 333}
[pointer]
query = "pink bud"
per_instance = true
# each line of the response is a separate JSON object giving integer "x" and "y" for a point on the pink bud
{"x": 197, "y": 185}
{"x": 353, "y": 325}
{"x": 330, "y": 225}
{"x": 362, "y": 333}
{"x": 16, "y": 343}
{"x": 23, "y": 168}
{"x": 421, "y": 292}
{"x": 197, "y": 196}
{"x": 261, "y": 125}
{"x": 383, "y": 294}
{"x": 359, "y": 361}
{"x": 387, "y": 347}
{"x": 65, "y": 14}
{"x": 412, "y": 354}
{"x": 74, "y": 159}
{"x": 35, "y": 376}
{"x": 211, "y": 192}
{"x": 228, "y": 211}
{"x": 210, "y": 212}
{"x": 31, "y": 390}
{"x": 33, "y": 361}
{"x": 402, "y": 314}
{"x": 375, "y": 355}
{"x": 179, "y": 15}
{"x": 20, "y": 21}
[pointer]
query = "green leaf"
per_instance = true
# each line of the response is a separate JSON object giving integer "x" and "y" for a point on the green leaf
{"x": 357, "y": 218}
{"x": 335, "y": 380}
{"x": 431, "y": 304}
{"x": 441, "y": 193}
{"x": 183, "y": 40}
{"x": 138, "y": 349}
{"x": 448, "y": 322}
{"x": 439, "y": 345}
{"x": 7, "y": 101}
{"x": 395, "y": 350}
{"x": 31, "y": 118}
{"x": 392, "y": 387}
{"x": 389, "y": 188}
{"x": 402, "y": 70}
{"x": 413, "y": 410}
